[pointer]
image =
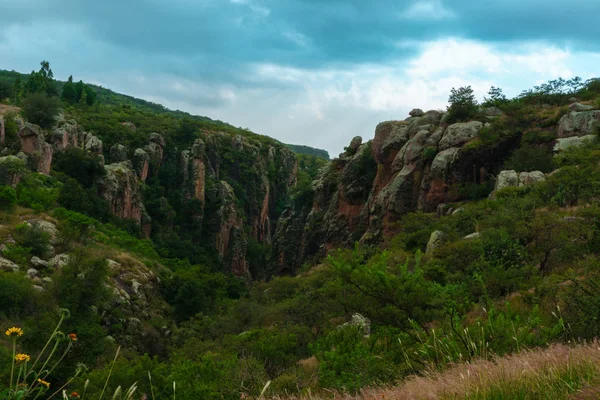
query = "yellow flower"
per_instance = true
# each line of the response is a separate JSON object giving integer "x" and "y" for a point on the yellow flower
{"x": 22, "y": 357}
{"x": 14, "y": 331}
{"x": 47, "y": 384}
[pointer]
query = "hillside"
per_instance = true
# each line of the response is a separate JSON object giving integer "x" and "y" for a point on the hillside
{"x": 464, "y": 240}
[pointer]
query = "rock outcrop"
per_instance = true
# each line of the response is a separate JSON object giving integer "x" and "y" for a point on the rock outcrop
{"x": 39, "y": 153}
{"x": 120, "y": 188}
{"x": 511, "y": 178}
{"x": 410, "y": 165}
{"x": 579, "y": 123}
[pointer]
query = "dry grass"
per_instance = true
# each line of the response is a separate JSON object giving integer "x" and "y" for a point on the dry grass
{"x": 558, "y": 372}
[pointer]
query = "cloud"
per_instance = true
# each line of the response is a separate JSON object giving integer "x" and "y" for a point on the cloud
{"x": 427, "y": 10}
{"x": 336, "y": 67}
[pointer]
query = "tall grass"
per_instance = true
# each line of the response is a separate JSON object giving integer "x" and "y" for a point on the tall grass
{"x": 557, "y": 372}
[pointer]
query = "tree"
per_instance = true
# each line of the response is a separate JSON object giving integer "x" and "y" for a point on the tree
{"x": 5, "y": 90}
{"x": 496, "y": 98}
{"x": 41, "y": 81}
{"x": 17, "y": 90}
{"x": 40, "y": 109}
{"x": 69, "y": 94}
{"x": 79, "y": 88}
{"x": 90, "y": 95}
{"x": 463, "y": 105}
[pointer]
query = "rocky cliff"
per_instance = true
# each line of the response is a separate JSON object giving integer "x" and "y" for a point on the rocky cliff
{"x": 230, "y": 189}
{"x": 419, "y": 163}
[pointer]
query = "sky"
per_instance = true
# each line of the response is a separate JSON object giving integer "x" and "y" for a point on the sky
{"x": 313, "y": 72}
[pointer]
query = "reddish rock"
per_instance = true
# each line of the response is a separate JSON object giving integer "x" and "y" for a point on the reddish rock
{"x": 37, "y": 150}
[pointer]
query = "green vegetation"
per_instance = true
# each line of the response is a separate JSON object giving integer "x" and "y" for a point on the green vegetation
{"x": 369, "y": 316}
{"x": 309, "y": 151}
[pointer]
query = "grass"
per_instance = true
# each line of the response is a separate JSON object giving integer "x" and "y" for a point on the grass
{"x": 557, "y": 372}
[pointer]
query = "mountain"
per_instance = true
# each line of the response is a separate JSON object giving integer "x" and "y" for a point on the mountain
{"x": 222, "y": 261}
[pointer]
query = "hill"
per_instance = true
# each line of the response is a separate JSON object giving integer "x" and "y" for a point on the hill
{"x": 307, "y": 150}
{"x": 218, "y": 259}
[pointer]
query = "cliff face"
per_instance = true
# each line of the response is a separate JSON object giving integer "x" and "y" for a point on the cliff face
{"x": 230, "y": 187}
{"x": 410, "y": 165}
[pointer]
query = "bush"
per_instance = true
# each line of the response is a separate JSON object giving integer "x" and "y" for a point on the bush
{"x": 32, "y": 238}
{"x": 81, "y": 165}
{"x": 40, "y": 109}
{"x": 38, "y": 192}
{"x": 8, "y": 198}
{"x": 527, "y": 158}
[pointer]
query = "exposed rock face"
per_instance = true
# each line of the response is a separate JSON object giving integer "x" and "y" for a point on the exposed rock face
{"x": 59, "y": 261}
{"x": 141, "y": 163}
{"x": 578, "y": 123}
{"x": 361, "y": 322}
{"x": 410, "y": 165}
{"x": 574, "y": 141}
{"x": 39, "y": 152}
{"x": 121, "y": 189}
{"x": 459, "y": 134}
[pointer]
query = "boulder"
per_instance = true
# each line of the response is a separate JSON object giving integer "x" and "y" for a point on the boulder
{"x": 59, "y": 261}
{"x": 493, "y": 112}
{"x": 578, "y": 123}
{"x": 416, "y": 112}
{"x": 158, "y": 139}
{"x": 47, "y": 227}
{"x": 530, "y": 178}
{"x": 511, "y": 178}
{"x": 38, "y": 262}
{"x": 360, "y": 321}
{"x": 580, "y": 107}
{"x": 32, "y": 273}
{"x": 574, "y": 141}
{"x": 436, "y": 239}
{"x": 8, "y": 266}
{"x": 390, "y": 137}
{"x": 354, "y": 145}
{"x": 460, "y": 133}
{"x": 92, "y": 144}
{"x": 38, "y": 288}
{"x": 472, "y": 236}
{"x": 506, "y": 179}
{"x": 47, "y": 279}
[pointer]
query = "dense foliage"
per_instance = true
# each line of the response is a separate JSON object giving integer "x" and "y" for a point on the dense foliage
{"x": 366, "y": 316}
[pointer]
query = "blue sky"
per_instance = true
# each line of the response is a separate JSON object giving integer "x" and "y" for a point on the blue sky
{"x": 315, "y": 72}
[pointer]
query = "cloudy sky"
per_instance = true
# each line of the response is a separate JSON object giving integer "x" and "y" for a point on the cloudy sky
{"x": 315, "y": 72}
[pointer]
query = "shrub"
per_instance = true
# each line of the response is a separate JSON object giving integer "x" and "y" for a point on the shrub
{"x": 33, "y": 238}
{"x": 429, "y": 153}
{"x": 530, "y": 158}
{"x": 8, "y": 198}
{"x": 40, "y": 109}
{"x": 37, "y": 191}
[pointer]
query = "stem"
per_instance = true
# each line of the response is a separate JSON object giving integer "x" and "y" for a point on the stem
{"x": 151, "y": 387}
{"x": 59, "y": 360}
{"x": 110, "y": 372}
{"x": 62, "y": 317}
{"x": 18, "y": 378}
{"x": 63, "y": 386}
{"x": 12, "y": 369}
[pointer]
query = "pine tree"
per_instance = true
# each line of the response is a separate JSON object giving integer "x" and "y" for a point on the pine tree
{"x": 69, "y": 94}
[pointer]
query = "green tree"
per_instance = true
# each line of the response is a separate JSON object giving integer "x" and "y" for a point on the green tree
{"x": 5, "y": 90}
{"x": 463, "y": 105}
{"x": 41, "y": 81}
{"x": 90, "y": 95}
{"x": 40, "y": 109}
{"x": 69, "y": 94}
{"x": 496, "y": 98}
{"x": 17, "y": 90}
